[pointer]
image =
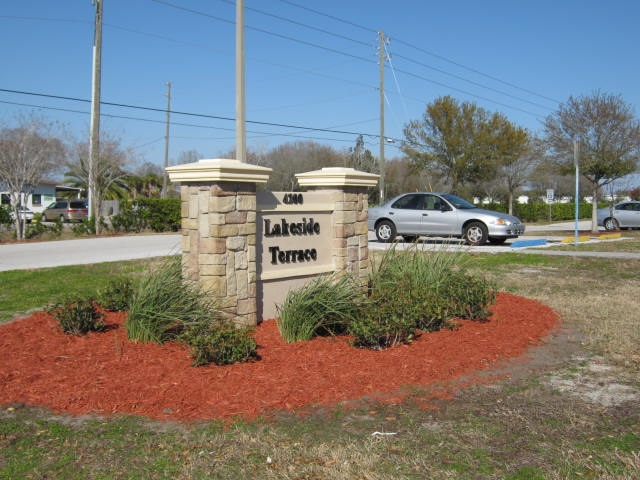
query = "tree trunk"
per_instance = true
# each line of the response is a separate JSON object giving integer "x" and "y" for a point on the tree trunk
{"x": 594, "y": 209}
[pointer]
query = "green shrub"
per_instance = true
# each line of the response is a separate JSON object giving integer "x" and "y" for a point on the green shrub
{"x": 219, "y": 342}
{"x": 414, "y": 290}
{"x": 84, "y": 227}
{"x": 156, "y": 214}
{"x": 78, "y": 316}
{"x": 5, "y": 215}
{"x": 164, "y": 303}
{"x": 325, "y": 306}
{"x": 469, "y": 296}
{"x": 117, "y": 295}
{"x": 35, "y": 230}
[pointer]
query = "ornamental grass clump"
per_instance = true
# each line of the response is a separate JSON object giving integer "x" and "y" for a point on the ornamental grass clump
{"x": 324, "y": 306}
{"x": 165, "y": 303}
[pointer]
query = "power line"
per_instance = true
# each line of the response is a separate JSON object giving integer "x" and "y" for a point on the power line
{"x": 176, "y": 112}
{"x": 435, "y": 55}
{"x": 310, "y": 27}
{"x": 267, "y": 32}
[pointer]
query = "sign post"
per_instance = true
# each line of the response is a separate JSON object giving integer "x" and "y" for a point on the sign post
{"x": 550, "y": 196}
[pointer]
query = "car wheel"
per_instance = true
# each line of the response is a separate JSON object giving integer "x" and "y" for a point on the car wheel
{"x": 385, "y": 231}
{"x": 611, "y": 224}
{"x": 475, "y": 233}
{"x": 410, "y": 238}
{"x": 497, "y": 240}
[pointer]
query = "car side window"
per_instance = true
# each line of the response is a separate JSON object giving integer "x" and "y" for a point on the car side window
{"x": 431, "y": 202}
{"x": 408, "y": 202}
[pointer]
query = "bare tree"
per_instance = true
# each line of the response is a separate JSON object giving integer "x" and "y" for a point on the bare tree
{"x": 28, "y": 153}
{"x": 609, "y": 137}
{"x": 516, "y": 170}
{"x": 109, "y": 172}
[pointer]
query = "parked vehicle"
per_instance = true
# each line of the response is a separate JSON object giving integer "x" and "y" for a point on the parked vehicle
{"x": 74, "y": 210}
{"x": 25, "y": 214}
{"x": 621, "y": 215}
{"x": 443, "y": 215}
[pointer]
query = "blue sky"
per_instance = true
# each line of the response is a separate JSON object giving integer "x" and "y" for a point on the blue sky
{"x": 309, "y": 64}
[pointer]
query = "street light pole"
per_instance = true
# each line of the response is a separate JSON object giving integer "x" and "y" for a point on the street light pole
{"x": 576, "y": 164}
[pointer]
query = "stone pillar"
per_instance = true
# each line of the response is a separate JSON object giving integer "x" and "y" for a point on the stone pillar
{"x": 351, "y": 202}
{"x": 218, "y": 205}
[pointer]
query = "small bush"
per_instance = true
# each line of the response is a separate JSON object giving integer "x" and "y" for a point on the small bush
{"x": 78, "y": 316}
{"x": 414, "y": 290}
{"x": 164, "y": 303}
{"x": 325, "y": 306}
{"x": 117, "y": 295}
{"x": 219, "y": 342}
{"x": 84, "y": 227}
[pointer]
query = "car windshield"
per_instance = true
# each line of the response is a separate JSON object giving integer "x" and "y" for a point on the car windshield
{"x": 458, "y": 202}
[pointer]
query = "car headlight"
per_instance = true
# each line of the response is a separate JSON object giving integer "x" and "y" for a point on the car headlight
{"x": 501, "y": 221}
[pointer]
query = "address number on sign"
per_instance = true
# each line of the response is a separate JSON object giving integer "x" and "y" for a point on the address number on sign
{"x": 292, "y": 199}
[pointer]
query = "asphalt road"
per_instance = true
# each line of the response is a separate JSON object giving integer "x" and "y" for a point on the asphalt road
{"x": 23, "y": 256}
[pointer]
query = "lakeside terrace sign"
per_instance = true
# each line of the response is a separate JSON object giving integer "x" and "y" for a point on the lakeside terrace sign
{"x": 249, "y": 248}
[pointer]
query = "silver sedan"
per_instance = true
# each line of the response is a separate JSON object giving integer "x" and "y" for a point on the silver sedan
{"x": 441, "y": 215}
{"x": 622, "y": 215}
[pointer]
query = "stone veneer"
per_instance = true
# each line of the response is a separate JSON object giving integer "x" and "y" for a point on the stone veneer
{"x": 218, "y": 208}
{"x": 350, "y": 234}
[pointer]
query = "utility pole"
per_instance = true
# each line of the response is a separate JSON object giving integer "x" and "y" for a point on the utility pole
{"x": 381, "y": 60}
{"x": 94, "y": 140}
{"x": 166, "y": 143}
{"x": 241, "y": 134}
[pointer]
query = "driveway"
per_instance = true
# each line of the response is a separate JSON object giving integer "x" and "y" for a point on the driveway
{"x": 23, "y": 256}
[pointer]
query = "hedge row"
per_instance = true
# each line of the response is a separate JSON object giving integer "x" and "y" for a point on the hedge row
{"x": 534, "y": 212}
{"x": 156, "y": 214}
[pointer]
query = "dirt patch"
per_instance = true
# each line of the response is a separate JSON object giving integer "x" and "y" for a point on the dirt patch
{"x": 103, "y": 373}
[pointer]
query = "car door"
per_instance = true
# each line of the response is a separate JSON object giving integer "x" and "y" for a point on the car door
{"x": 634, "y": 220}
{"x": 407, "y": 214}
{"x": 627, "y": 215}
{"x": 438, "y": 218}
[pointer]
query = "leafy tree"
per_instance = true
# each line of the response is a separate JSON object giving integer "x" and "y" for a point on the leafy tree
{"x": 28, "y": 153}
{"x": 608, "y": 134}
{"x": 462, "y": 141}
{"x": 146, "y": 181}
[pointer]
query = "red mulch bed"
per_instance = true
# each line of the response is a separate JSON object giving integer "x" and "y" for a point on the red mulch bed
{"x": 103, "y": 373}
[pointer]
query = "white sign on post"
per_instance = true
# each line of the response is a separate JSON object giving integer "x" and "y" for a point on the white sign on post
{"x": 550, "y": 195}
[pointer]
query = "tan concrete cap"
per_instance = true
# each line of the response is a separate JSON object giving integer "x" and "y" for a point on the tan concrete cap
{"x": 337, "y": 177}
{"x": 219, "y": 170}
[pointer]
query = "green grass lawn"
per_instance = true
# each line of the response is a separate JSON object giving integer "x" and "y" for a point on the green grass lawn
{"x": 519, "y": 427}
